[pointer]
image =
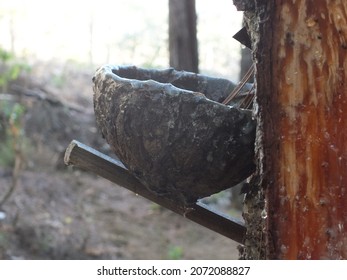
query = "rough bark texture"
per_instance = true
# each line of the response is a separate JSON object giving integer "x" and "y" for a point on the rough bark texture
{"x": 301, "y": 147}
{"x": 183, "y": 43}
{"x": 244, "y": 5}
{"x": 176, "y": 142}
{"x": 256, "y": 245}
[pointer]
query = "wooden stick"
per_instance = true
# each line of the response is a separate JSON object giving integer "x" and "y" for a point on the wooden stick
{"x": 85, "y": 157}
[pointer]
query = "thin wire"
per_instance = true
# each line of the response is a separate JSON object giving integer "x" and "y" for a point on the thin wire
{"x": 240, "y": 85}
{"x": 246, "y": 103}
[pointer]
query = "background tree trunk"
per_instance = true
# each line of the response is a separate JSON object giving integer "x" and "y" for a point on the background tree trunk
{"x": 183, "y": 45}
{"x": 246, "y": 63}
{"x": 301, "y": 107}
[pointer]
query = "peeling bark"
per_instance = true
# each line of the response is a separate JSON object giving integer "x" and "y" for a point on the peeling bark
{"x": 177, "y": 142}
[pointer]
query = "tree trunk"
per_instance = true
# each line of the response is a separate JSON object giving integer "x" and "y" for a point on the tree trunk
{"x": 183, "y": 45}
{"x": 301, "y": 107}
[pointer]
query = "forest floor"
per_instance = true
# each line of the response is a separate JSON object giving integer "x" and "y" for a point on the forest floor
{"x": 59, "y": 212}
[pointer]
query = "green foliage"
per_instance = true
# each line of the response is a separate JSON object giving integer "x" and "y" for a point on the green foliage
{"x": 11, "y": 131}
{"x": 7, "y": 154}
{"x": 10, "y": 68}
{"x": 175, "y": 252}
{"x": 12, "y": 139}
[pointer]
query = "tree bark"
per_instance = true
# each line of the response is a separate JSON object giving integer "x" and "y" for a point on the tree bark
{"x": 301, "y": 106}
{"x": 183, "y": 44}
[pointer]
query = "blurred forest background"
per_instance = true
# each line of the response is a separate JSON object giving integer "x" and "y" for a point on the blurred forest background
{"x": 49, "y": 51}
